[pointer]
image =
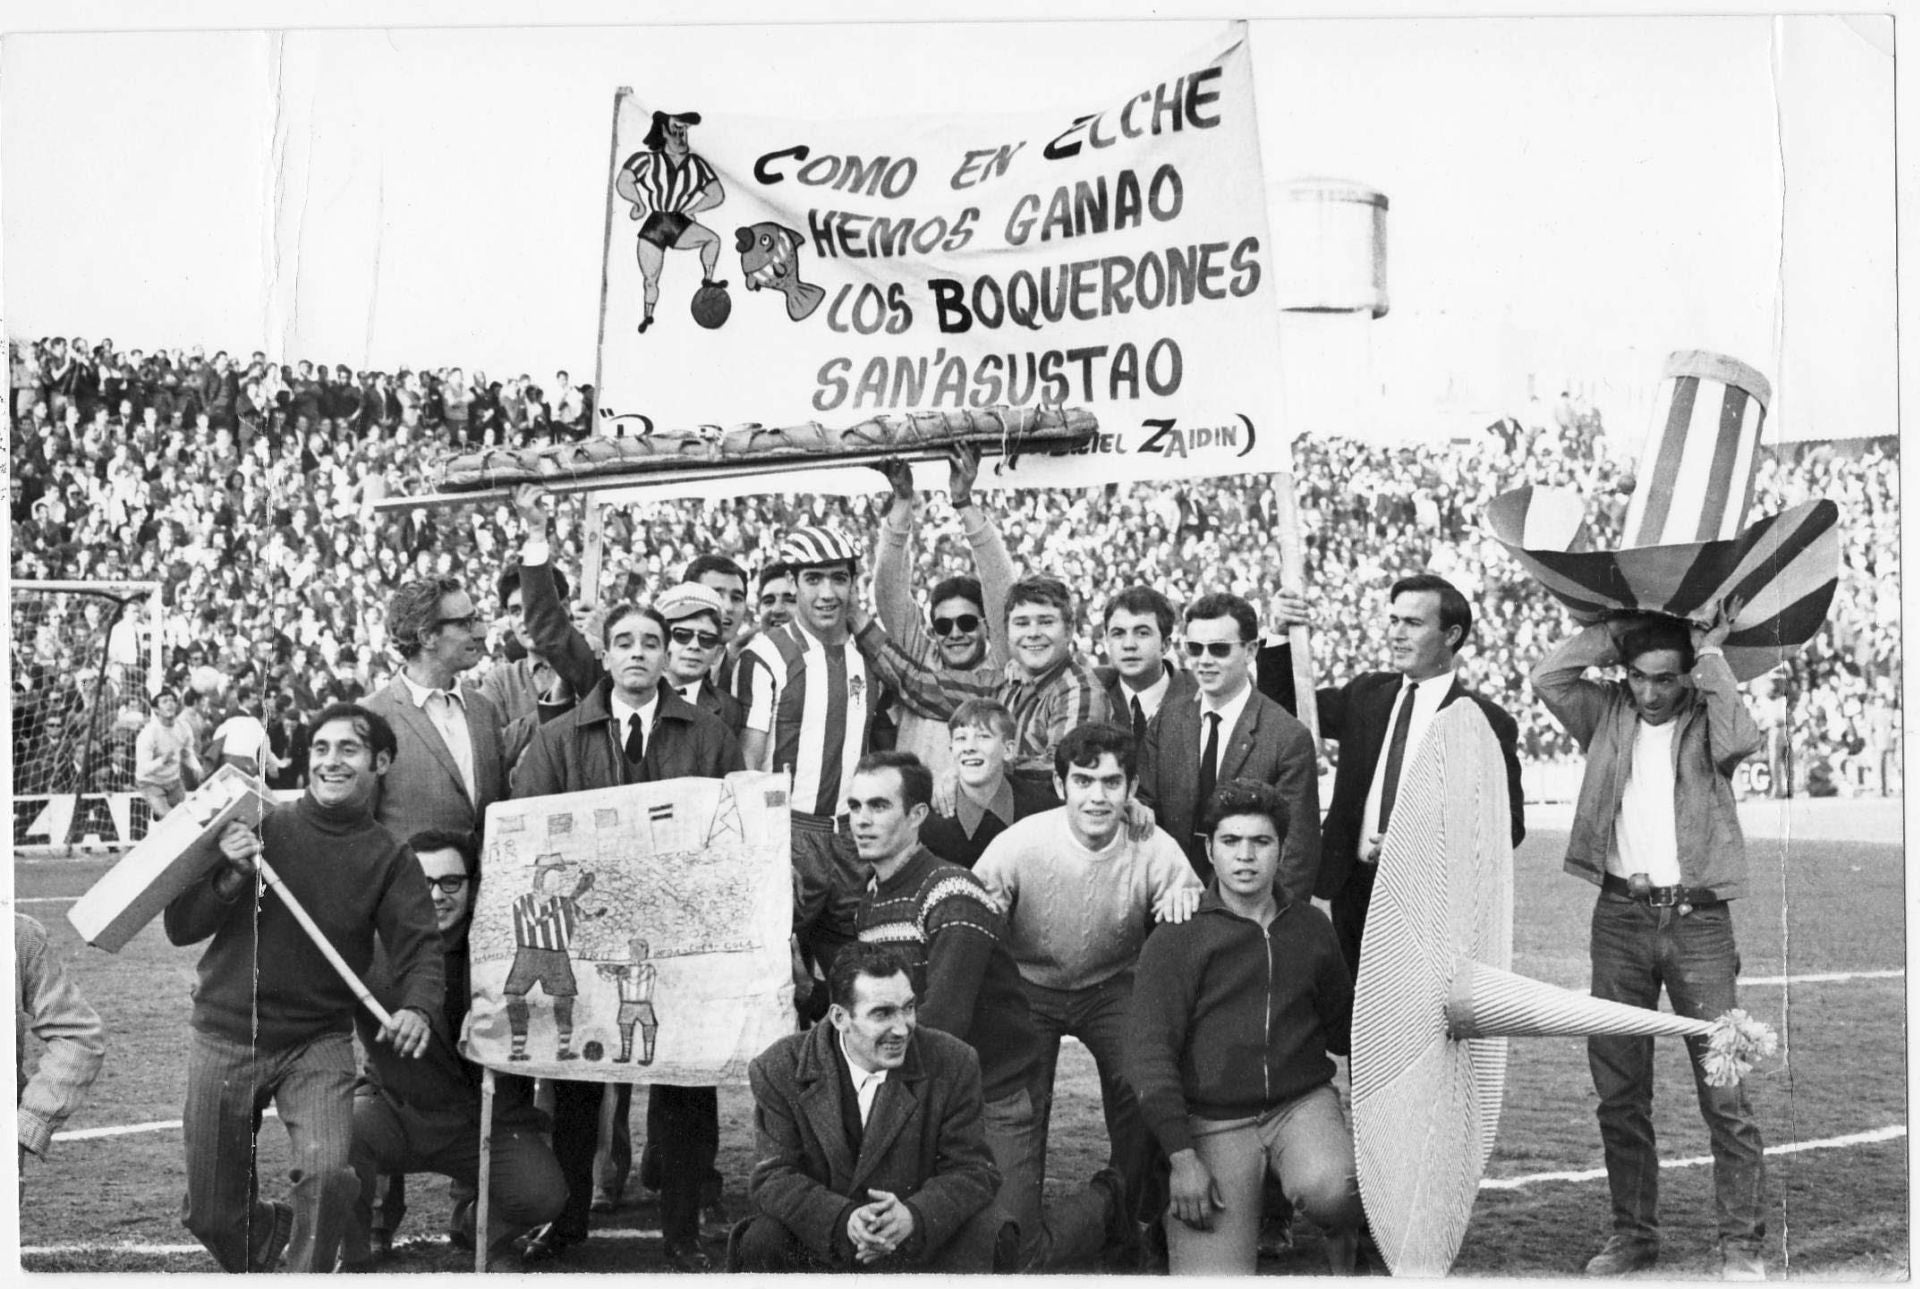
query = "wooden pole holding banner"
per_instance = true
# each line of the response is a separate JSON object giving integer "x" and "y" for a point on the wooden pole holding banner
{"x": 319, "y": 938}
{"x": 590, "y": 572}
{"x": 1293, "y": 579}
{"x": 481, "y": 1202}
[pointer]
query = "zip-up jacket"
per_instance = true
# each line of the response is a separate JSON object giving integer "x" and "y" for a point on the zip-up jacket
{"x": 1231, "y": 1019}
{"x": 1716, "y": 733}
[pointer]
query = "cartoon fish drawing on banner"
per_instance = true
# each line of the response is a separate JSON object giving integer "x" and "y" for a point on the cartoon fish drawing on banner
{"x": 770, "y": 257}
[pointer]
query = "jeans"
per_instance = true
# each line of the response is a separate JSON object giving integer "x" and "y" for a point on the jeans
{"x": 1072, "y": 1230}
{"x": 525, "y": 1187}
{"x": 1097, "y": 1016}
{"x": 1636, "y": 950}
{"x": 1305, "y": 1143}
{"x": 229, "y": 1086}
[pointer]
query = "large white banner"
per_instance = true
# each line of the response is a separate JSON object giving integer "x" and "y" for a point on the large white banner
{"x": 635, "y": 934}
{"x": 1117, "y": 258}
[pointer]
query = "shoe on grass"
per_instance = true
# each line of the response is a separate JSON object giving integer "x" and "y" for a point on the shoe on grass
{"x": 1622, "y": 1255}
{"x": 1741, "y": 1262}
{"x": 277, "y": 1236}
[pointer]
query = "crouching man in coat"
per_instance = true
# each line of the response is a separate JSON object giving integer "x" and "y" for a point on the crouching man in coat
{"x": 871, "y": 1153}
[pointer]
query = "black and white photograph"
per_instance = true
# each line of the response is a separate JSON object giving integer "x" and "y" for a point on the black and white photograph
{"x": 1213, "y": 644}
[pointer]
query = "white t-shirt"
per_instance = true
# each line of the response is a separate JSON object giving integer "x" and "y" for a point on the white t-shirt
{"x": 1644, "y": 839}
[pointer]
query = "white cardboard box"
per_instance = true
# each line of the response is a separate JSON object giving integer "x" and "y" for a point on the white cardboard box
{"x": 177, "y": 852}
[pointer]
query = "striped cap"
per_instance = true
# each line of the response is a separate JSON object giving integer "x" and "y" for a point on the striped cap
{"x": 1697, "y": 466}
{"x": 814, "y": 546}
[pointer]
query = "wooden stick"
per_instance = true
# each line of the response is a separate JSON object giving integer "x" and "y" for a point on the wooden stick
{"x": 1293, "y": 578}
{"x": 319, "y": 938}
{"x": 481, "y": 1202}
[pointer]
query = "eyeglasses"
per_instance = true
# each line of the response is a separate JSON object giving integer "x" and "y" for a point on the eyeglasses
{"x": 452, "y": 885}
{"x": 687, "y": 635}
{"x": 1218, "y": 648}
{"x": 966, "y": 622}
{"x": 466, "y": 623}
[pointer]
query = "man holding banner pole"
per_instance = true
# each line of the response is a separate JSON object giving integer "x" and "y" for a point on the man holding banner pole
{"x": 278, "y": 1026}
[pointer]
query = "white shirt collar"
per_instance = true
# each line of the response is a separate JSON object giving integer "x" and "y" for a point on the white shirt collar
{"x": 623, "y": 711}
{"x": 1151, "y": 697}
{"x": 866, "y": 1083}
{"x": 421, "y": 693}
{"x": 1229, "y": 711}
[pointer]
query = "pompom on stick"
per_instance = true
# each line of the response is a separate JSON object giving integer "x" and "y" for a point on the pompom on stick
{"x": 1736, "y": 1041}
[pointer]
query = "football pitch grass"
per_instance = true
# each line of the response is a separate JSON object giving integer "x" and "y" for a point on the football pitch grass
{"x": 1823, "y": 944}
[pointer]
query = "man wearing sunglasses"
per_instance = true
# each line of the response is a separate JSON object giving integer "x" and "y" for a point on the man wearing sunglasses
{"x": 694, "y": 640}
{"x": 452, "y": 761}
{"x": 424, "y": 1115}
{"x": 1226, "y": 729}
{"x": 947, "y": 656}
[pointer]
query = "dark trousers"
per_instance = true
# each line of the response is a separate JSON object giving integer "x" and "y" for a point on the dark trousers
{"x": 1349, "y": 914}
{"x": 761, "y": 1244}
{"x": 683, "y": 1129}
{"x": 525, "y": 1186}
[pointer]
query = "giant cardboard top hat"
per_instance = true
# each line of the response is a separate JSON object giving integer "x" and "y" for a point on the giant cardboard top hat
{"x": 1687, "y": 545}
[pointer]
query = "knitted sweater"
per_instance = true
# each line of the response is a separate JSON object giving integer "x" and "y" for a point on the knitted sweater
{"x": 1077, "y": 917}
{"x": 355, "y": 881}
{"x": 940, "y": 918}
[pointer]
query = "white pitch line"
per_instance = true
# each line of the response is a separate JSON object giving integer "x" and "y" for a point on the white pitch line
{"x": 50, "y": 1250}
{"x": 128, "y": 1129}
{"x": 1869, "y": 1138}
{"x": 1823, "y": 977}
{"x": 48, "y": 899}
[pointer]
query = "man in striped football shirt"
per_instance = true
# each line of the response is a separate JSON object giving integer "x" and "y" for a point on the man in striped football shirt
{"x": 809, "y": 695}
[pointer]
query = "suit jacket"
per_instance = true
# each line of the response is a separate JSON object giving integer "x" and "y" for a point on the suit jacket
{"x": 1356, "y": 714}
{"x": 581, "y": 749}
{"x": 711, "y": 698}
{"x": 923, "y": 1141}
{"x": 1267, "y": 745}
{"x": 1120, "y": 699}
{"x": 424, "y": 789}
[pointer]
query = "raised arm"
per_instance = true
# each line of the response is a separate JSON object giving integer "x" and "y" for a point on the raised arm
{"x": 991, "y": 562}
{"x": 555, "y": 638}
{"x": 1559, "y": 680}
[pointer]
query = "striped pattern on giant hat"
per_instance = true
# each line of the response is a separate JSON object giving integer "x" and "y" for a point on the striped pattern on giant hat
{"x": 1686, "y": 548}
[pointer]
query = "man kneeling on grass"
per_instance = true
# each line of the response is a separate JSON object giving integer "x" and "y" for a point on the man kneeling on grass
{"x": 872, "y": 1155}
{"x": 1227, "y": 1108}
{"x": 273, "y": 1021}
{"x": 424, "y": 1115}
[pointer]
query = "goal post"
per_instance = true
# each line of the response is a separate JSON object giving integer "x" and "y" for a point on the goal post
{"x": 85, "y": 660}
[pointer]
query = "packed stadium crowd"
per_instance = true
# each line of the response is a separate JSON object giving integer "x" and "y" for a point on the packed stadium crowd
{"x": 1013, "y": 818}
{"x": 246, "y": 491}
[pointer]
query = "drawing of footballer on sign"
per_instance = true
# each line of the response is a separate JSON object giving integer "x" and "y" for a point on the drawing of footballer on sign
{"x": 667, "y": 184}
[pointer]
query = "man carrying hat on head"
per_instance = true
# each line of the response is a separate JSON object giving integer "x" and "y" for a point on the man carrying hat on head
{"x": 1656, "y": 830}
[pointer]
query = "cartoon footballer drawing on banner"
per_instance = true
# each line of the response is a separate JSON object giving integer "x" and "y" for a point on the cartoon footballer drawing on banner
{"x": 667, "y": 184}
{"x": 634, "y": 933}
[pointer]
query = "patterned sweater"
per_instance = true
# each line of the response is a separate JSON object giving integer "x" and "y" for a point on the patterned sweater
{"x": 940, "y": 918}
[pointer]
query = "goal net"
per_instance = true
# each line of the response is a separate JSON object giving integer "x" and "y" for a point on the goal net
{"x": 86, "y": 661}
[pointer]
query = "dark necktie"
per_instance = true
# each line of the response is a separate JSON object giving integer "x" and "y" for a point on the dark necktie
{"x": 636, "y": 739}
{"x": 1139, "y": 724}
{"x": 1396, "y": 753}
{"x": 1209, "y": 763}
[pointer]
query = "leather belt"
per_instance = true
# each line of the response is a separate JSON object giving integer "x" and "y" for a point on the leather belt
{"x": 1661, "y": 897}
